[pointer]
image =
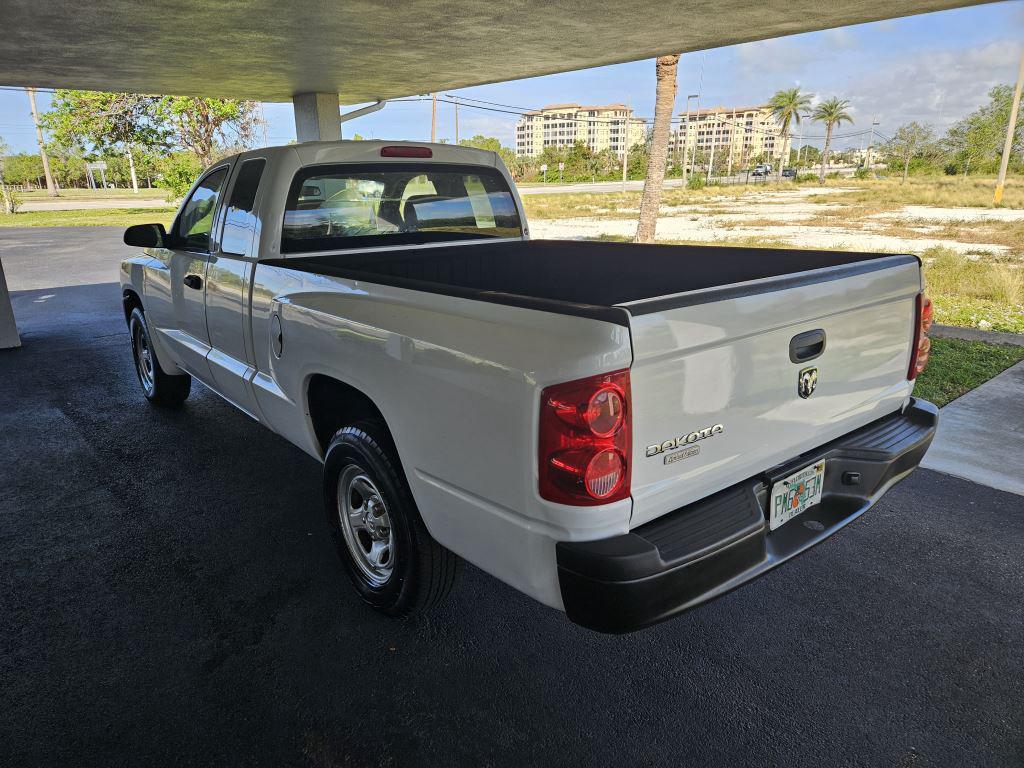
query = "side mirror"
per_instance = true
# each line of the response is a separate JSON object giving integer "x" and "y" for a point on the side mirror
{"x": 146, "y": 236}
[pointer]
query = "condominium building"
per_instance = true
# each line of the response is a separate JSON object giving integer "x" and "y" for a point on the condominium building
{"x": 743, "y": 133}
{"x": 611, "y": 126}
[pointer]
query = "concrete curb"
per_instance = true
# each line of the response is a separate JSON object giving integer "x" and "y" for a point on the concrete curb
{"x": 976, "y": 334}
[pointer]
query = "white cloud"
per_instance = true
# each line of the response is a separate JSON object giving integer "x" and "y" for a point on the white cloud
{"x": 936, "y": 88}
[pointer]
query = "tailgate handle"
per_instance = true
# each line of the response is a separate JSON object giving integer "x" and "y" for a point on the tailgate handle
{"x": 807, "y": 346}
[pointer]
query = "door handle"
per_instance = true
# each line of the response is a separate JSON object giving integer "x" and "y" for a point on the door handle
{"x": 193, "y": 281}
{"x": 806, "y": 346}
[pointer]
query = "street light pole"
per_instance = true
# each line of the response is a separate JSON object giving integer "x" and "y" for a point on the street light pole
{"x": 1010, "y": 130}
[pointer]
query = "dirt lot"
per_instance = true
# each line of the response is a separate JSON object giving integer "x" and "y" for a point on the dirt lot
{"x": 808, "y": 217}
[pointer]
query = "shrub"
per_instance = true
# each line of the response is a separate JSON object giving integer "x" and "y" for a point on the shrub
{"x": 177, "y": 173}
{"x": 10, "y": 200}
{"x": 861, "y": 173}
{"x": 696, "y": 181}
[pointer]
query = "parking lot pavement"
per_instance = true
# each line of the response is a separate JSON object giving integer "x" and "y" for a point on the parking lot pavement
{"x": 171, "y": 598}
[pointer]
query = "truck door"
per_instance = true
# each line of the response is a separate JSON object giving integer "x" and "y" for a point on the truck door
{"x": 175, "y": 293}
{"x": 228, "y": 277}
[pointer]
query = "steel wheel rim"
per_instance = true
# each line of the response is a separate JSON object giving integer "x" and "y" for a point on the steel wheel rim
{"x": 143, "y": 357}
{"x": 366, "y": 526}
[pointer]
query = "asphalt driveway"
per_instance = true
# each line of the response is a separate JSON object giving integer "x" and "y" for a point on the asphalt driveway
{"x": 170, "y": 597}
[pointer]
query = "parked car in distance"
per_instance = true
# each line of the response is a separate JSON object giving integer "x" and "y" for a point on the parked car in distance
{"x": 789, "y": 173}
{"x": 761, "y": 170}
{"x": 620, "y": 431}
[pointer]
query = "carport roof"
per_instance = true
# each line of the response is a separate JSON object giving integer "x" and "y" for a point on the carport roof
{"x": 364, "y": 50}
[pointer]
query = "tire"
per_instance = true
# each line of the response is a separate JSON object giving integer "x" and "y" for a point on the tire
{"x": 159, "y": 387}
{"x": 394, "y": 564}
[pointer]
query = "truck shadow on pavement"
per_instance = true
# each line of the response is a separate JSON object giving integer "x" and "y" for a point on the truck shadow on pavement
{"x": 173, "y": 598}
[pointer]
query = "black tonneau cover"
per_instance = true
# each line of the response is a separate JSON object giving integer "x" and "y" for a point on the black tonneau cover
{"x": 592, "y": 278}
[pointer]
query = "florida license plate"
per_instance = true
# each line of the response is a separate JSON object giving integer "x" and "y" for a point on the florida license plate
{"x": 796, "y": 493}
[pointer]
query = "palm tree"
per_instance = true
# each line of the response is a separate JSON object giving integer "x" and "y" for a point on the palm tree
{"x": 665, "y": 99}
{"x": 788, "y": 107}
{"x": 831, "y": 113}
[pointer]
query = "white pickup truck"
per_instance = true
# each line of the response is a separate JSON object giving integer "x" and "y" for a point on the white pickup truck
{"x": 620, "y": 431}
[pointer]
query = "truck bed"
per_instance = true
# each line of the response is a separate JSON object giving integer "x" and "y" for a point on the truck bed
{"x": 594, "y": 278}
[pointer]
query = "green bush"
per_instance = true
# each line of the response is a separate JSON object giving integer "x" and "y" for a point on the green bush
{"x": 177, "y": 173}
{"x": 861, "y": 173}
{"x": 696, "y": 181}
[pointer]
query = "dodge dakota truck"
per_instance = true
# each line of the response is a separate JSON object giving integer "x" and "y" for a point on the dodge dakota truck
{"x": 620, "y": 431}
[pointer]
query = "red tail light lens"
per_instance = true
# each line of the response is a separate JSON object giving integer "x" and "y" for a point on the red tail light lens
{"x": 585, "y": 440}
{"x": 403, "y": 151}
{"x": 922, "y": 344}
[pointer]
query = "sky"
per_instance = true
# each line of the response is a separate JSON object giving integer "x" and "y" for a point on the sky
{"x": 934, "y": 68}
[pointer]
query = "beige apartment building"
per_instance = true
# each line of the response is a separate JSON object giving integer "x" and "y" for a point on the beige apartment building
{"x": 611, "y": 126}
{"x": 749, "y": 133}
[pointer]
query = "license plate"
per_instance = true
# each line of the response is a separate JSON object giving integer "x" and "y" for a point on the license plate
{"x": 796, "y": 493}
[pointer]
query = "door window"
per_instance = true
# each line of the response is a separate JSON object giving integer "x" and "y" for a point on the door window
{"x": 240, "y": 220}
{"x": 196, "y": 221}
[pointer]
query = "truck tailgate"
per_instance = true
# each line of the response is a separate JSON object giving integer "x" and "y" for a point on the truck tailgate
{"x": 714, "y": 390}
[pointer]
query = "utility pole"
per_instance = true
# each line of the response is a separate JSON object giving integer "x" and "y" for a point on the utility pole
{"x": 456, "y": 121}
{"x": 871, "y": 141}
{"x": 1010, "y": 130}
{"x": 686, "y": 135}
{"x": 433, "y": 118}
{"x": 732, "y": 130}
{"x": 714, "y": 140}
{"x": 625, "y": 147}
{"x": 51, "y": 188}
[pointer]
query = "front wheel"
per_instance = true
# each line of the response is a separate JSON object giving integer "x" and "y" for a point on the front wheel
{"x": 392, "y": 560}
{"x": 159, "y": 387}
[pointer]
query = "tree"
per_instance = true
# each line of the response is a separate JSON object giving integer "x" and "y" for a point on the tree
{"x": 199, "y": 123}
{"x": 665, "y": 68}
{"x": 788, "y": 106}
{"x": 24, "y": 168}
{"x": 907, "y": 142}
{"x": 831, "y": 112}
{"x": 123, "y": 122}
{"x": 491, "y": 144}
{"x": 977, "y": 140}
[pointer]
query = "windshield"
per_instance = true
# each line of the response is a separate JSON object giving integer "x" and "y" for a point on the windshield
{"x": 349, "y": 206}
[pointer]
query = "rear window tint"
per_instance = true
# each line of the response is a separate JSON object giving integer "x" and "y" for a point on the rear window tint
{"x": 352, "y": 206}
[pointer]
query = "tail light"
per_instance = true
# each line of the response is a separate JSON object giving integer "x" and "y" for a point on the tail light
{"x": 585, "y": 440}
{"x": 922, "y": 344}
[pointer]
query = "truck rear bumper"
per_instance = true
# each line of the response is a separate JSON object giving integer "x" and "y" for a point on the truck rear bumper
{"x": 708, "y": 548}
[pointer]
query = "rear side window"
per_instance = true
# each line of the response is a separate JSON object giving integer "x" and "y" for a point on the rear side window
{"x": 196, "y": 220}
{"x": 354, "y": 206}
{"x": 240, "y": 219}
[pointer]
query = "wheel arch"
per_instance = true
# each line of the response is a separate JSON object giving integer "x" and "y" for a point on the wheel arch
{"x": 333, "y": 404}
{"x": 130, "y": 301}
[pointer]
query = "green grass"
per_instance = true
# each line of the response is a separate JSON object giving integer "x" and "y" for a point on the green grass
{"x": 94, "y": 217}
{"x": 957, "y": 366}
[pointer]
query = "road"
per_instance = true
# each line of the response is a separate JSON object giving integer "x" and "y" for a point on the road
{"x": 171, "y": 598}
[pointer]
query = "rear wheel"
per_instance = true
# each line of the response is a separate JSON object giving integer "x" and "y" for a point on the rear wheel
{"x": 159, "y": 387}
{"x": 393, "y": 562}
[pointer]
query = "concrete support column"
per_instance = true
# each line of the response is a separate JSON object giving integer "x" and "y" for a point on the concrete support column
{"x": 317, "y": 116}
{"x": 8, "y": 329}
